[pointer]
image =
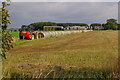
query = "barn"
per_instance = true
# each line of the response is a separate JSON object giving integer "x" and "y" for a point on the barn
{"x": 98, "y": 28}
{"x": 52, "y": 28}
{"x": 76, "y": 28}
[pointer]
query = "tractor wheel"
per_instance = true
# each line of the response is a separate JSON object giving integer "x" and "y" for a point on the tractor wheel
{"x": 22, "y": 37}
{"x": 35, "y": 35}
{"x": 32, "y": 37}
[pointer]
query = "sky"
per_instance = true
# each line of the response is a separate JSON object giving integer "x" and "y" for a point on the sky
{"x": 24, "y": 13}
{"x": 64, "y": 0}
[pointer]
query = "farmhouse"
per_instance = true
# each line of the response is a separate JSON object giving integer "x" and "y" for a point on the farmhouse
{"x": 76, "y": 28}
{"x": 98, "y": 28}
{"x": 52, "y": 28}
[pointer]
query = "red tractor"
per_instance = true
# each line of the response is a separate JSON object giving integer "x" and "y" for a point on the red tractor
{"x": 27, "y": 32}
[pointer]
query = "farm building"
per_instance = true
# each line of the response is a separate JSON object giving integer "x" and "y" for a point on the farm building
{"x": 76, "y": 28}
{"x": 52, "y": 28}
{"x": 98, "y": 28}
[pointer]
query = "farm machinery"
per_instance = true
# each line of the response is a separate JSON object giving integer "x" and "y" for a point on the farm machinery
{"x": 27, "y": 32}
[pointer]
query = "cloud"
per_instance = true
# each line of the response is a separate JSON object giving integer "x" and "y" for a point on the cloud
{"x": 119, "y": 12}
{"x": 82, "y": 12}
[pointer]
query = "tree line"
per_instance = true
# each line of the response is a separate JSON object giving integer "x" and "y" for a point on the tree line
{"x": 111, "y": 24}
{"x": 40, "y": 25}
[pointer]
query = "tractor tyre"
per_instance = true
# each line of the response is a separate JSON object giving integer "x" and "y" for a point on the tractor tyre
{"x": 32, "y": 37}
{"x": 21, "y": 37}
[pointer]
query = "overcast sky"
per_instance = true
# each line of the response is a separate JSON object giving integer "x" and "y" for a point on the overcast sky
{"x": 63, "y": 0}
{"x": 78, "y": 12}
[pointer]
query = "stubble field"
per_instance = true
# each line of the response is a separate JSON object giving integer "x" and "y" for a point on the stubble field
{"x": 81, "y": 55}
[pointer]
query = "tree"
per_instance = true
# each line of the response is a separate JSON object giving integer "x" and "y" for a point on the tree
{"x": 94, "y": 25}
{"x": 118, "y": 26}
{"x": 39, "y": 25}
{"x": 111, "y": 24}
{"x": 103, "y": 25}
{"x": 6, "y": 37}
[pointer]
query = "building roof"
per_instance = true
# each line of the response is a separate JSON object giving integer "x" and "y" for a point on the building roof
{"x": 54, "y": 26}
{"x": 77, "y": 26}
